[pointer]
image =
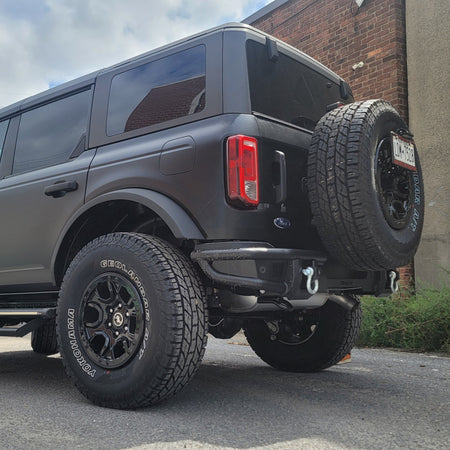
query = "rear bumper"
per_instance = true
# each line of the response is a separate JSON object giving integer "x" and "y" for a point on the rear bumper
{"x": 257, "y": 268}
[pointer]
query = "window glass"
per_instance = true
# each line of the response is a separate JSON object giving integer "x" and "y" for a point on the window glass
{"x": 3, "y": 130}
{"x": 49, "y": 134}
{"x": 287, "y": 89}
{"x": 156, "y": 92}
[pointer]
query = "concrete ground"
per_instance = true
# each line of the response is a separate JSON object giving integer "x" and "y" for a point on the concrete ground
{"x": 383, "y": 399}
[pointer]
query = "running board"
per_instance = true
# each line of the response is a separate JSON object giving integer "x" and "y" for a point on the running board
{"x": 31, "y": 320}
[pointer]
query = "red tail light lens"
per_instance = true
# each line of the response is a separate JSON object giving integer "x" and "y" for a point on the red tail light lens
{"x": 242, "y": 169}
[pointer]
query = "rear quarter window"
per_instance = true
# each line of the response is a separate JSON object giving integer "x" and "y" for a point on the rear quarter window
{"x": 159, "y": 91}
{"x": 286, "y": 89}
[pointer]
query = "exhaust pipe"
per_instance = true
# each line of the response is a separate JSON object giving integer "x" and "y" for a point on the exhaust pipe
{"x": 235, "y": 303}
{"x": 347, "y": 303}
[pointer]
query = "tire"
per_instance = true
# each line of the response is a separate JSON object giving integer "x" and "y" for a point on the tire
{"x": 43, "y": 340}
{"x": 131, "y": 321}
{"x": 225, "y": 328}
{"x": 308, "y": 341}
{"x": 368, "y": 212}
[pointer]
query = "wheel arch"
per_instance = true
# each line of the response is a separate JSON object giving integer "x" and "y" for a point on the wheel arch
{"x": 138, "y": 210}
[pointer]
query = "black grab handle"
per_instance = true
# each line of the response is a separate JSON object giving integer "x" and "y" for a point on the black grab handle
{"x": 60, "y": 188}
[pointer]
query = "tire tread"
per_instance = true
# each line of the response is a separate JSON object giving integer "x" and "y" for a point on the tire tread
{"x": 43, "y": 340}
{"x": 186, "y": 312}
{"x": 327, "y": 350}
{"x": 337, "y": 192}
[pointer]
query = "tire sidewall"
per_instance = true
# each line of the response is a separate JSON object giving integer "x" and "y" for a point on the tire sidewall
{"x": 405, "y": 240}
{"x": 89, "y": 264}
{"x": 324, "y": 348}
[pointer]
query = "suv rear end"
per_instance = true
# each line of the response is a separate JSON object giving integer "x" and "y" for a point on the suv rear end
{"x": 220, "y": 183}
{"x": 274, "y": 107}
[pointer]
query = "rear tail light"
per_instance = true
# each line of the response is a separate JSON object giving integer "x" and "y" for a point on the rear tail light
{"x": 242, "y": 170}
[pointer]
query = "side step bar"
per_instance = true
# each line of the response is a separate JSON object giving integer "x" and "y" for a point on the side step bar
{"x": 31, "y": 320}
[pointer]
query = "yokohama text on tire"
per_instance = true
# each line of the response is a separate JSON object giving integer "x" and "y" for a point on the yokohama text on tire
{"x": 132, "y": 320}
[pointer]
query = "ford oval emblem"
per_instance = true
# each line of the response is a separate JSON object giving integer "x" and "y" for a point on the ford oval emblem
{"x": 282, "y": 222}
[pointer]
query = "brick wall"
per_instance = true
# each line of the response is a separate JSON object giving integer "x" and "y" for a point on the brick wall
{"x": 339, "y": 35}
{"x": 329, "y": 31}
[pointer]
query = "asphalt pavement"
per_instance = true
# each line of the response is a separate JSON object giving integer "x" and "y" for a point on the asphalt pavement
{"x": 381, "y": 400}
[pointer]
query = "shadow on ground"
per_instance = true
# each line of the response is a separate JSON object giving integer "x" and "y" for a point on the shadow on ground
{"x": 234, "y": 401}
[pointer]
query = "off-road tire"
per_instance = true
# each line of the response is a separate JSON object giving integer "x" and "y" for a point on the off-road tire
{"x": 355, "y": 215}
{"x": 334, "y": 336}
{"x": 43, "y": 340}
{"x": 225, "y": 328}
{"x": 159, "y": 289}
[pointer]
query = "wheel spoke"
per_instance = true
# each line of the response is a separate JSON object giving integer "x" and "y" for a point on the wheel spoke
{"x": 94, "y": 331}
{"x": 95, "y": 312}
{"x": 124, "y": 296}
{"x": 106, "y": 348}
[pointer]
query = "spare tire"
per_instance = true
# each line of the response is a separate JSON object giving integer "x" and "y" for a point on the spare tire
{"x": 368, "y": 211}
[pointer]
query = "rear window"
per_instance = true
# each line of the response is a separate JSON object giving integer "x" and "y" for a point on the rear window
{"x": 287, "y": 89}
{"x": 162, "y": 90}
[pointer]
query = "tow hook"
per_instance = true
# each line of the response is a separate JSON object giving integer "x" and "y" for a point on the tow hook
{"x": 274, "y": 329}
{"x": 393, "y": 275}
{"x": 312, "y": 282}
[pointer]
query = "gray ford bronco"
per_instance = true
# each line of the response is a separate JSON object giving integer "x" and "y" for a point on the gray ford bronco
{"x": 223, "y": 182}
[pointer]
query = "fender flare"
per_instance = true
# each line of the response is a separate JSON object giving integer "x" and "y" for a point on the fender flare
{"x": 176, "y": 218}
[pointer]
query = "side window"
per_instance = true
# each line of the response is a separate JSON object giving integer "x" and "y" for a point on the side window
{"x": 162, "y": 90}
{"x": 3, "y": 130}
{"x": 49, "y": 134}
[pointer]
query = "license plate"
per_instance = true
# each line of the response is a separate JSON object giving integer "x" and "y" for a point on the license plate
{"x": 403, "y": 152}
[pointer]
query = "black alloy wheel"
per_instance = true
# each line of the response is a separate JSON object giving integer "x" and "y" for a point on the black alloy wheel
{"x": 112, "y": 320}
{"x": 296, "y": 328}
{"x": 131, "y": 320}
{"x": 395, "y": 187}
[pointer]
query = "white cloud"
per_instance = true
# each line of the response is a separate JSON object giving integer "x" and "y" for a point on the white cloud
{"x": 44, "y": 42}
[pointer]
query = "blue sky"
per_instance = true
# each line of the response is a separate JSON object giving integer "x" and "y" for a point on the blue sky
{"x": 45, "y": 42}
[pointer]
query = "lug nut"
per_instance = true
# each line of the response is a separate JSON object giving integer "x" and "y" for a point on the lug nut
{"x": 116, "y": 333}
{"x": 120, "y": 305}
{"x": 109, "y": 324}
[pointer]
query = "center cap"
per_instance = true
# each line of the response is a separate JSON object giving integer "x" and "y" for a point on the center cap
{"x": 118, "y": 319}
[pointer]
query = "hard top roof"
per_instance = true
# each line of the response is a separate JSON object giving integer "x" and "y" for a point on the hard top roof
{"x": 89, "y": 79}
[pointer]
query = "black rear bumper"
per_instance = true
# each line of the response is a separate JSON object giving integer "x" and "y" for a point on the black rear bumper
{"x": 258, "y": 268}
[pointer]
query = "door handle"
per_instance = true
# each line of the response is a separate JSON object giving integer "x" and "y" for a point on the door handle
{"x": 280, "y": 184}
{"x": 60, "y": 188}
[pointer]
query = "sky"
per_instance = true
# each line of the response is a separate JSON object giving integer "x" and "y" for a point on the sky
{"x": 46, "y": 42}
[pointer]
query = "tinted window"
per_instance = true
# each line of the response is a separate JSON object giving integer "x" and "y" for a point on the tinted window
{"x": 286, "y": 89}
{"x": 49, "y": 134}
{"x": 156, "y": 92}
{"x": 3, "y": 130}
